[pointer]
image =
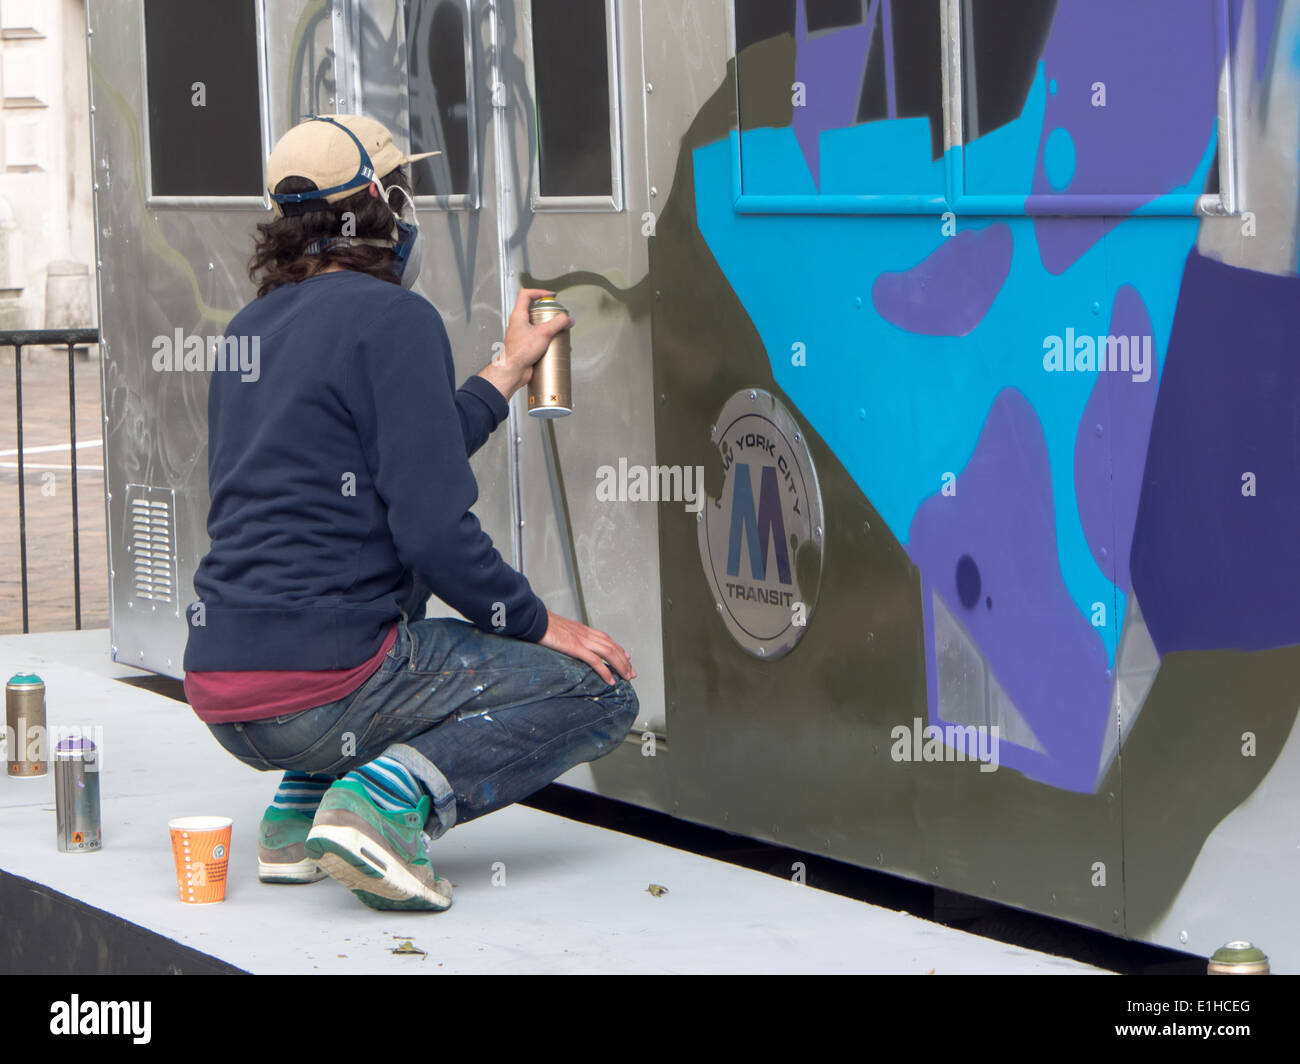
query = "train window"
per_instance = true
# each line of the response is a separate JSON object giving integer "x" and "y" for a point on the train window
{"x": 840, "y": 98}
{"x": 573, "y": 68}
{"x": 439, "y": 81}
{"x": 202, "y": 80}
{"x": 832, "y": 14}
{"x": 1134, "y": 123}
{"x": 982, "y": 107}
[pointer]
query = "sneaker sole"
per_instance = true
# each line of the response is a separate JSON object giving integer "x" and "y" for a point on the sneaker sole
{"x": 304, "y": 871}
{"x": 348, "y": 857}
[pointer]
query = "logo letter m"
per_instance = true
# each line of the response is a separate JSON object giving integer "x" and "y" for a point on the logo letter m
{"x": 757, "y": 530}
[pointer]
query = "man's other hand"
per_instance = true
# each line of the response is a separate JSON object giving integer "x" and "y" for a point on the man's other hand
{"x": 525, "y": 343}
{"x": 589, "y": 645}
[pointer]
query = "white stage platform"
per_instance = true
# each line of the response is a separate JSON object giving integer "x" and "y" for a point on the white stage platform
{"x": 574, "y": 899}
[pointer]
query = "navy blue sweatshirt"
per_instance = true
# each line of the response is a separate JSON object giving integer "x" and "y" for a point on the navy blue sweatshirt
{"x": 341, "y": 486}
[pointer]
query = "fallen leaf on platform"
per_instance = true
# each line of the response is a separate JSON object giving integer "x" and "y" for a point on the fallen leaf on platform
{"x": 655, "y": 890}
{"x": 409, "y": 947}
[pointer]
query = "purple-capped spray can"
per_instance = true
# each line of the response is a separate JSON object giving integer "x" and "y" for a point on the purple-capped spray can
{"x": 76, "y": 796}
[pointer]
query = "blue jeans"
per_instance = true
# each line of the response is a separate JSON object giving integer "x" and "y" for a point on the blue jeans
{"x": 481, "y": 720}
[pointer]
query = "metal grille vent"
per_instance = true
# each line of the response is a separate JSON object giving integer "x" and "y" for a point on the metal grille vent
{"x": 152, "y": 544}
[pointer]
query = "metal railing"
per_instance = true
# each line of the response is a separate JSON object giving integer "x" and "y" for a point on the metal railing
{"x": 71, "y": 339}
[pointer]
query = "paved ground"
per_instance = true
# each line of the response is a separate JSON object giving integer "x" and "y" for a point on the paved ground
{"x": 534, "y": 892}
{"x": 49, "y": 493}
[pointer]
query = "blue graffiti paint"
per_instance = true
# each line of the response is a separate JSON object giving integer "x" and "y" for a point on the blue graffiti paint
{"x": 1058, "y": 159}
{"x": 927, "y": 397}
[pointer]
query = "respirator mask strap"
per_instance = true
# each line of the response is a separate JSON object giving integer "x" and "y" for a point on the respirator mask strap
{"x": 406, "y": 235}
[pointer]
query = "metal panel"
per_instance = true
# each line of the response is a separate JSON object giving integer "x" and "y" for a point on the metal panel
{"x": 597, "y": 262}
{"x": 165, "y": 273}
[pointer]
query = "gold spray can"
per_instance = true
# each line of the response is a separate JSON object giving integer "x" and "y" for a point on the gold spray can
{"x": 550, "y": 388}
{"x": 25, "y": 724}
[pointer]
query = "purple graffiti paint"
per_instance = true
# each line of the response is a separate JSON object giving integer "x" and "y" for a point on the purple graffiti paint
{"x": 1215, "y": 558}
{"x": 1046, "y": 655}
{"x": 949, "y": 292}
{"x": 1111, "y": 445}
{"x": 1156, "y": 63}
{"x": 1266, "y": 12}
{"x": 830, "y": 68}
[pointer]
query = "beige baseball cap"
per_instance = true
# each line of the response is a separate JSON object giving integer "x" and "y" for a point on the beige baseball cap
{"x": 340, "y": 154}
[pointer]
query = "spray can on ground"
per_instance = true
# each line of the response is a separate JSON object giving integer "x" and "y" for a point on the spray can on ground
{"x": 76, "y": 796}
{"x": 550, "y": 387}
{"x": 25, "y": 725}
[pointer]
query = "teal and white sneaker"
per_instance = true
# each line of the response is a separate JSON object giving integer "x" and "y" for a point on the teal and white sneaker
{"x": 281, "y": 856}
{"x": 379, "y": 855}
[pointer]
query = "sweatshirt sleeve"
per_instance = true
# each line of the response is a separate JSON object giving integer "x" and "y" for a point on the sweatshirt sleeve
{"x": 481, "y": 408}
{"x": 411, "y": 419}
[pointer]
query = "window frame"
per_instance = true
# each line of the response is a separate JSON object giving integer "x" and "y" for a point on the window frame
{"x": 456, "y": 201}
{"x": 614, "y": 202}
{"x": 958, "y": 201}
{"x": 154, "y": 200}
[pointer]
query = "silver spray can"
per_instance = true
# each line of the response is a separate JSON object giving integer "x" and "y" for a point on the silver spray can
{"x": 25, "y": 725}
{"x": 76, "y": 795}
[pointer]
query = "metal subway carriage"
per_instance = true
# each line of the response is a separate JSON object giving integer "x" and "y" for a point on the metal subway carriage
{"x": 976, "y": 319}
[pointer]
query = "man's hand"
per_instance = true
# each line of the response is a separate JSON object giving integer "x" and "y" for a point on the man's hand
{"x": 589, "y": 645}
{"x": 525, "y": 344}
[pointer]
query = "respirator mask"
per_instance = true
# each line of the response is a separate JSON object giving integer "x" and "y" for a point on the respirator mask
{"x": 406, "y": 236}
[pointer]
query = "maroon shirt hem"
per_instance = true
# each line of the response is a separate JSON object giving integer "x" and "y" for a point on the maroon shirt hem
{"x": 227, "y": 697}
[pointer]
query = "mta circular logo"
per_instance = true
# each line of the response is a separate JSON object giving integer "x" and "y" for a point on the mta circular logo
{"x": 761, "y": 543}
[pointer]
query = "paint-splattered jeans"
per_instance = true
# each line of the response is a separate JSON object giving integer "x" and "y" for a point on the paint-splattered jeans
{"x": 481, "y": 720}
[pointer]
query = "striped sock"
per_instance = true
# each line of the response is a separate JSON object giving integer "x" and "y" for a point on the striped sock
{"x": 302, "y": 792}
{"x": 388, "y": 783}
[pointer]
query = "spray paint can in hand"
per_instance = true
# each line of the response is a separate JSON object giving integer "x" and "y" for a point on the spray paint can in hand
{"x": 25, "y": 725}
{"x": 76, "y": 796}
{"x": 550, "y": 387}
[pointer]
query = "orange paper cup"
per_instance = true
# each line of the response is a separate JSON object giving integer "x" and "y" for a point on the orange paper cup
{"x": 201, "y": 847}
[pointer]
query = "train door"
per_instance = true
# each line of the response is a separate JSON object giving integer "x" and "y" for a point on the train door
{"x": 576, "y": 213}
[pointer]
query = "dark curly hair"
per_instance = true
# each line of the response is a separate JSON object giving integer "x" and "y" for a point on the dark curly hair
{"x": 280, "y": 256}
